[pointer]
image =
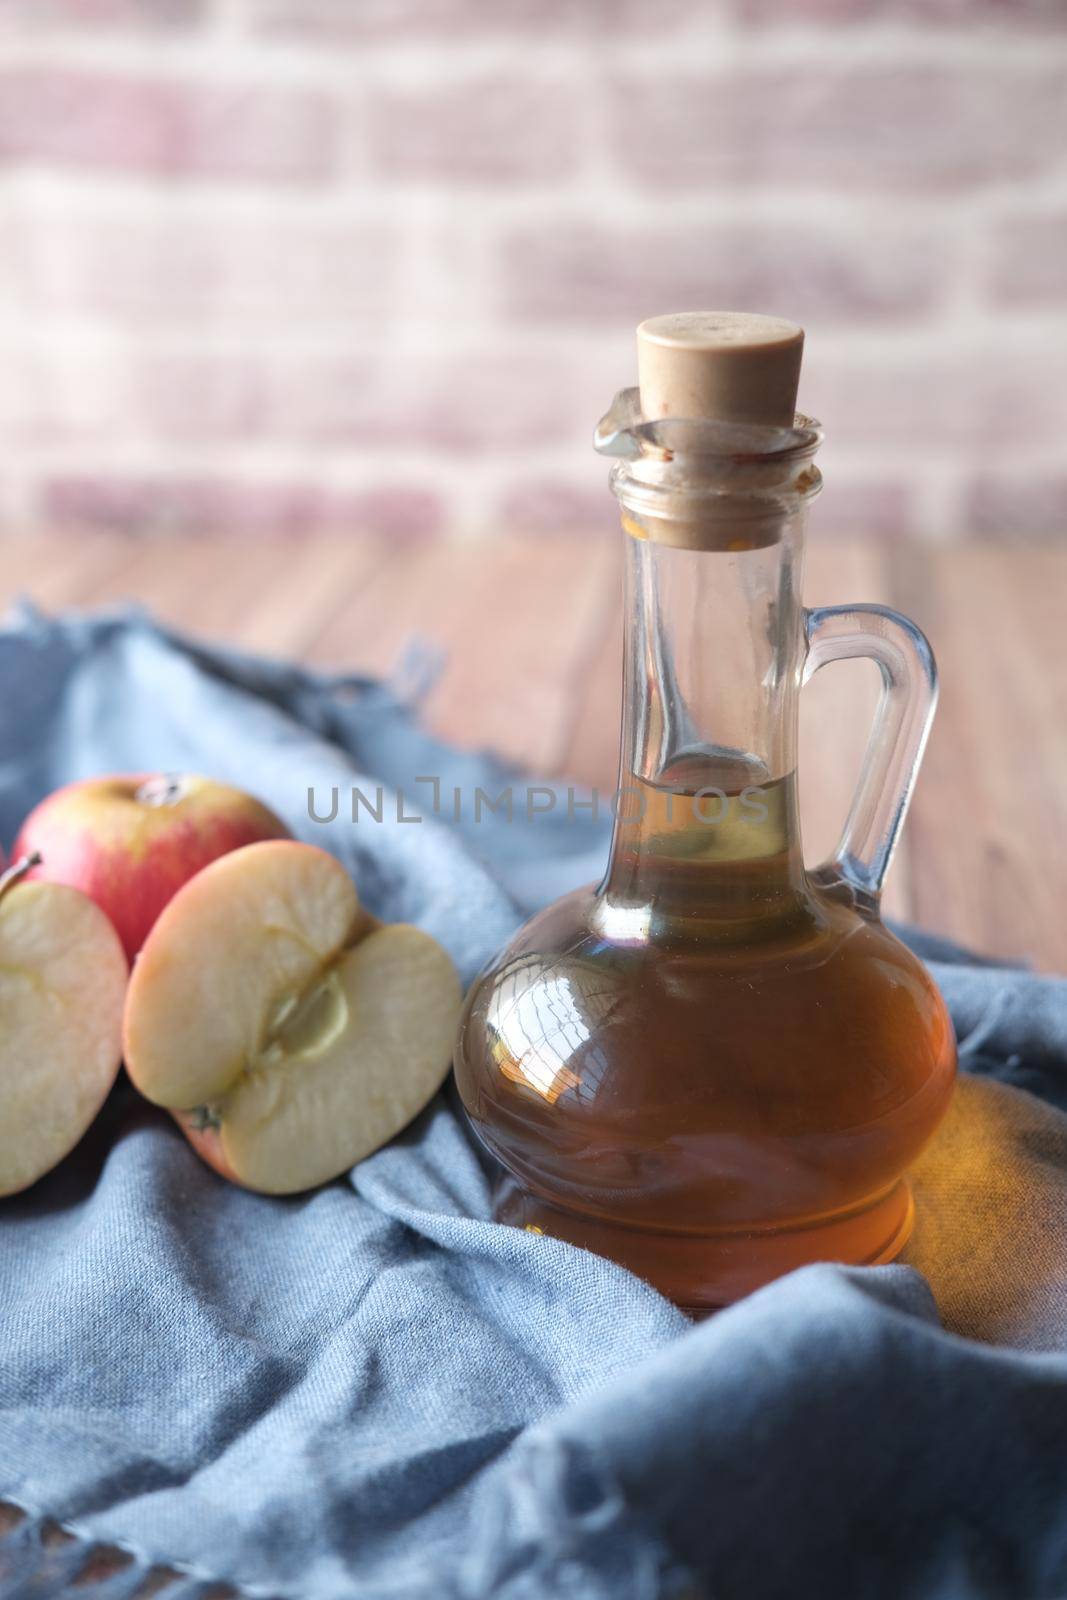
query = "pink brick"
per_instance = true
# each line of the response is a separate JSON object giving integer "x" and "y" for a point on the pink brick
{"x": 56, "y": 117}
{"x": 51, "y": 394}
{"x": 875, "y": 507}
{"x": 547, "y": 506}
{"x": 167, "y": 265}
{"x": 390, "y": 509}
{"x": 194, "y": 395}
{"x": 199, "y": 507}
{"x": 1018, "y": 505}
{"x": 92, "y": 13}
{"x": 983, "y": 399}
{"x": 1020, "y": 397}
{"x": 220, "y": 507}
{"x": 1030, "y": 260}
{"x": 872, "y": 128}
{"x": 369, "y": 20}
{"x": 492, "y": 128}
{"x": 622, "y": 274}
{"x": 921, "y": 11}
{"x": 464, "y": 403}
{"x": 887, "y": 408}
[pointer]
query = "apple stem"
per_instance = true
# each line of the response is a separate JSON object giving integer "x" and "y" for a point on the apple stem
{"x": 165, "y": 790}
{"x": 18, "y": 870}
{"x": 202, "y": 1118}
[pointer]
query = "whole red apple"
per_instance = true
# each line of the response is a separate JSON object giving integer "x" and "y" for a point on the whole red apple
{"x": 130, "y": 842}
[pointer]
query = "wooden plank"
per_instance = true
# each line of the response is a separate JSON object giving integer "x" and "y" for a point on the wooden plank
{"x": 590, "y": 753}
{"x": 204, "y": 587}
{"x": 57, "y": 571}
{"x": 531, "y": 633}
{"x": 370, "y": 629}
{"x": 511, "y": 619}
{"x": 990, "y": 816}
{"x": 306, "y": 589}
{"x": 274, "y": 597}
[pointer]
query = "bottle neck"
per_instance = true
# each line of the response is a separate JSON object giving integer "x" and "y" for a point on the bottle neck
{"x": 713, "y": 661}
{"x": 713, "y": 655}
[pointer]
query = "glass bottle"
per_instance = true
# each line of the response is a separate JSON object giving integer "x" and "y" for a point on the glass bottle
{"x": 717, "y": 1065}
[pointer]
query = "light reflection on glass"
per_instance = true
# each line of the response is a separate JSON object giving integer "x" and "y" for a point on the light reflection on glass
{"x": 540, "y": 1020}
{"x": 623, "y": 924}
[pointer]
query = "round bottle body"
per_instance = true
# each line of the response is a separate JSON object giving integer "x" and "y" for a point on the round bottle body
{"x": 709, "y": 1107}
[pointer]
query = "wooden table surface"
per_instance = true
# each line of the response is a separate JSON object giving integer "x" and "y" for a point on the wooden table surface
{"x": 531, "y": 633}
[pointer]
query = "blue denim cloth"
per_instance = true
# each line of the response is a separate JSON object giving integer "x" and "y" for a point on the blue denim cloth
{"x": 375, "y": 1391}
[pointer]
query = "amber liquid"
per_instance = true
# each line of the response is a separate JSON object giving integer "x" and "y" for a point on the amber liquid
{"x": 715, "y": 1068}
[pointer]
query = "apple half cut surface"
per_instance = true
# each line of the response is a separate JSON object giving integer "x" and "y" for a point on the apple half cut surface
{"x": 289, "y": 1032}
{"x": 62, "y": 985}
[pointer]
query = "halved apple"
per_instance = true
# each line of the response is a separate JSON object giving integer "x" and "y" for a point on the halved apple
{"x": 62, "y": 984}
{"x": 290, "y": 1033}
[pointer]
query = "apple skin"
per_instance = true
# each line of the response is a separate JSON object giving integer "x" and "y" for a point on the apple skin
{"x": 131, "y": 841}
{"x": 208, "y": 1146}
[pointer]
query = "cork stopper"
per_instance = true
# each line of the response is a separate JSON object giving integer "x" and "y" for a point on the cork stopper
{"x": 722, "y": 366}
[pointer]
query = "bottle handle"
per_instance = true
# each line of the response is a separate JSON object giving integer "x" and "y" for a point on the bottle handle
{"x": 895, "y": 747}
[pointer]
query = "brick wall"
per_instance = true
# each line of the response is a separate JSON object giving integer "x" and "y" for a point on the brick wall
{"x": 270, "y": 266}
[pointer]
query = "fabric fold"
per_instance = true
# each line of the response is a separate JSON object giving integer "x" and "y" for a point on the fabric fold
{"x": 374, "y": 1391}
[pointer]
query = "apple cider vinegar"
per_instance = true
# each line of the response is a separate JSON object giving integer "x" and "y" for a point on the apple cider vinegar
{"x": 715, "y": 1040}
{"x": 716, "y": 1066}
{"x": 710, "y": 843}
